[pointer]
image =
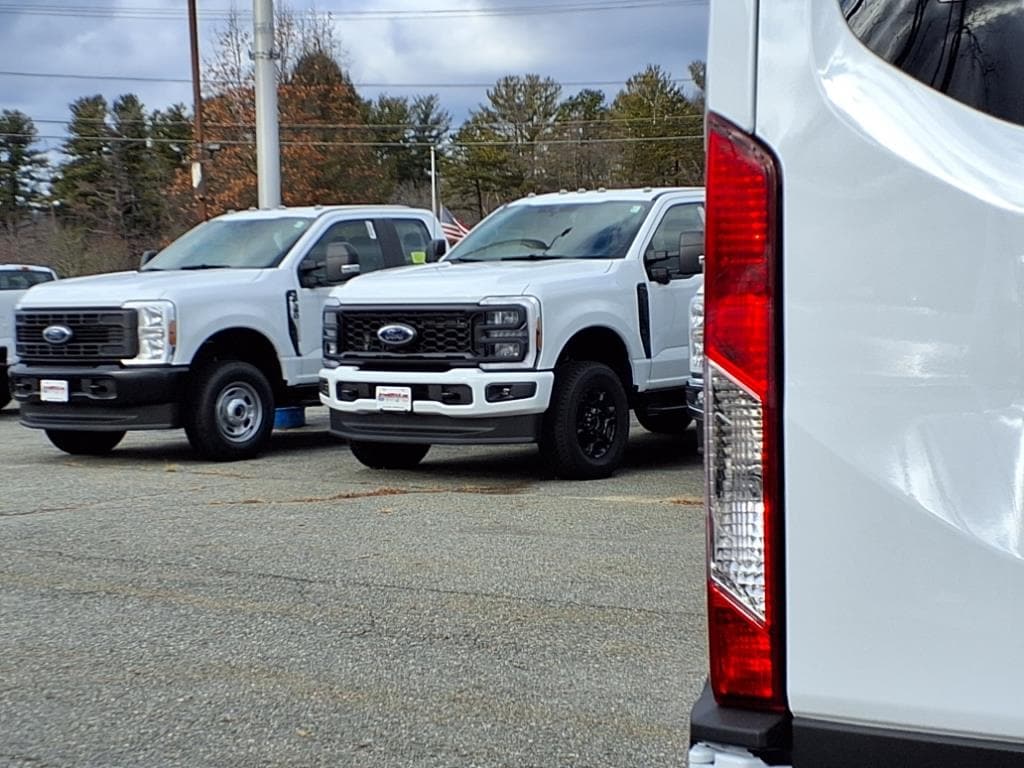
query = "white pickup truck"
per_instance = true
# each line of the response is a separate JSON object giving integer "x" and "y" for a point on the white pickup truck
{"x": 211, "y": 334}
{"x": 15, "y": 279}
{"x": 546, "y": 323}
{"x": 864, "y": 385}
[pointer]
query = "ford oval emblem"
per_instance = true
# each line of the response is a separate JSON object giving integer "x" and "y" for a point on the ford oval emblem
{"x": 57, "y": 334}
{"x": 396, "y": 334}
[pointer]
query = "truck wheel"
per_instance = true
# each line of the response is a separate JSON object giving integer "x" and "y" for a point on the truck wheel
{"x": 230, "y": 412}
{"x": 80, "y": 443}
{"x": 5, "y": 392}
{"x": 674, "y": 423}
{"x": 389, "y": 455}
{"x": 586, "y": 426}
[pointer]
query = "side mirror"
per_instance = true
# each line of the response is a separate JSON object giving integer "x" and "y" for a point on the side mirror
{"x": 147, "y": 256}
{"x": 437, "y": 249}
{"x": 660, "y": 275}
{"x": 691, "y": 252}
{"x": 342, "y": 262}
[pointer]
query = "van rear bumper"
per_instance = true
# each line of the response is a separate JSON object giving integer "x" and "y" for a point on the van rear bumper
{"x": 722, "y": 737}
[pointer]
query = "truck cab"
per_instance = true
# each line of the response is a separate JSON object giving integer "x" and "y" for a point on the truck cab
{"x": 864, "y": 290}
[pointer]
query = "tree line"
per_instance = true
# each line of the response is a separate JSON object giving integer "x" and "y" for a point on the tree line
{"x": 124, "y": 180}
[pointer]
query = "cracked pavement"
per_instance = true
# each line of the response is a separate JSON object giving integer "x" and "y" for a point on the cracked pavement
{"x": 301, "y": 610}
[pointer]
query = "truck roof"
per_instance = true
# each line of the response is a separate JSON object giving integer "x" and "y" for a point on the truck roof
{"x": 314, "y": 211}
{"x": 645, "y": 194}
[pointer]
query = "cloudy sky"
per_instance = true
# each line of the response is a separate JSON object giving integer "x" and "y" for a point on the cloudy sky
{"x": 54, "y": 51}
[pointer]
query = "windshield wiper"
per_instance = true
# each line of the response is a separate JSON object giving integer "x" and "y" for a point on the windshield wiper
{"x": 465, "y": 259}
{"x": 205, "y": 266}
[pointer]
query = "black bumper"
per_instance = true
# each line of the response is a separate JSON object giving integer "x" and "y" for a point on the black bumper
{"x": 695, "y": 398}
{"x": 101, "y": 398}
{"x": 440, "y": 430}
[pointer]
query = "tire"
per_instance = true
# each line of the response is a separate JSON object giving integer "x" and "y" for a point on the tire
{"x": 5, "y": 391}
{"x": 586, "y": 426}
{"x": 81, "y": 443}
{"x": 230, "y": 411}
{"x": 389, "y": 455}
{"x": 673, "y": 423}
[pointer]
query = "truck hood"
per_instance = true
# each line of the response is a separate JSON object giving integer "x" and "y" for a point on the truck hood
{"x": 448, "y": 282}
{"x": 114, "y": 289}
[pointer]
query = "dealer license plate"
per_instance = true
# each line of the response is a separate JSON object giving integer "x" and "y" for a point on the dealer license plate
{"x": 394, "y": 399}
{"x": 53, "y": 391}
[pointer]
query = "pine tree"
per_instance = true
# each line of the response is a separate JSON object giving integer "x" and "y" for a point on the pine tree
{"x": 22, "y": 168}
{"x": 84, "y": 186}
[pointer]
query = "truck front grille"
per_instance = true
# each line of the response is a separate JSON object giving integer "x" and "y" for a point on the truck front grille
{"x": 96, "y": 335}
{"x": 446, "y": 333}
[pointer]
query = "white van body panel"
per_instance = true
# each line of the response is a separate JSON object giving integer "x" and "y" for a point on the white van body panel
{"x": 733, "y": 61}
{"x": 903, "y": 414}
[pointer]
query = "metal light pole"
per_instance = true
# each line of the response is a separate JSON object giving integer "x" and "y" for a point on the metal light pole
{"x": 198, "y": 182}
{"x": 268, "y": 150}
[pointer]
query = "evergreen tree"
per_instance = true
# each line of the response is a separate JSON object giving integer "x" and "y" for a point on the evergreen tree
{"x": 135, "y": 167}
{"x": 658, "y": 125}
{"x": 84, "y": 186}
{"x": 22, "y": 168}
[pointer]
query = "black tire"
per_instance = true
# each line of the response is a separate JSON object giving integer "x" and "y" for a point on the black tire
{"x": 81, "y": 443}
{"x": 389, "y": 455}
{"x": 586, "y": 426}
{"x": 230, "y": 411}
{"x": 673, "y": 423}
{"x": 5, "y": 392}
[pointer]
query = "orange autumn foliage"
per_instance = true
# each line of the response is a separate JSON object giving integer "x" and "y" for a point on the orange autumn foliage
{"x": 321, "y": 163}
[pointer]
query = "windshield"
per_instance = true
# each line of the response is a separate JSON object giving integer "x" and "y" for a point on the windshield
{"x": 561, "y": 230}
{"x": 232, "y": 243}
{"x": 20, "y": 279}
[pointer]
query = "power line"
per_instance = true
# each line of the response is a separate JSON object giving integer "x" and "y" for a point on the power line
{"x": 374, "y": 126}
{"x": 381, "y": 144}
{"x": 184, "y": 80}
{"x": 223, "y": 14}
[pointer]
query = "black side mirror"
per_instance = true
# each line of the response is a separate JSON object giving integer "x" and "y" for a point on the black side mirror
{"x": 342, "y": 262}
{"x": 437, "y": 249}
{"x": 691, "y": 252}
{"x": 660, "y": 275}
{"x": 147, "y": 256}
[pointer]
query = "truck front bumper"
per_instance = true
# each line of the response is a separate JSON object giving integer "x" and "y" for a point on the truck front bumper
{"x": 101, "y": 398}
{"x": 695, "y": 397}
{"x": 460, "y": 406}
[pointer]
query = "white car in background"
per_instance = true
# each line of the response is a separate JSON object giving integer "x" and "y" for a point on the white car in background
{"x": 15, "y": 279}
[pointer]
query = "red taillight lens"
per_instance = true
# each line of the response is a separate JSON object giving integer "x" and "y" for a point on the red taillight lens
{"x": 741, "y": 399}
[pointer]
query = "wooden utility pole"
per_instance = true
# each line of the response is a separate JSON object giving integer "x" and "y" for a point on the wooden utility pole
{"x": 198, "y": 142}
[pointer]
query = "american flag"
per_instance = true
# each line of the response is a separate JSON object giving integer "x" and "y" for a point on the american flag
{"x": 454, "y": 229}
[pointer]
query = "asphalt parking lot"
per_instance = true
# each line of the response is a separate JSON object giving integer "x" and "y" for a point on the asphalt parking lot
{"x": 302, "y": 610}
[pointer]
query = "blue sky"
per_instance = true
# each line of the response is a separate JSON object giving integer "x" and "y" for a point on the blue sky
{"x": 395, "y": 46}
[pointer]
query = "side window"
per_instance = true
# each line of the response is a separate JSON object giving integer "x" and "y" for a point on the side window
{"x": 663, "y": 250}
{"x": 969, "y": 51}
{"x": 360, "y": 234}
{"x": 414, "y": 238}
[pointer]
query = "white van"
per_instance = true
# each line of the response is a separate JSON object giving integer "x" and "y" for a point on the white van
{"x": 864, "y": 397}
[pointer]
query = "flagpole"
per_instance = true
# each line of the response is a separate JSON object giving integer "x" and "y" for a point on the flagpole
{"x": 433, "y": 182}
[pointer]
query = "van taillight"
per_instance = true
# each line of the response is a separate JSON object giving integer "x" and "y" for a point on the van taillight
{"x": 745, "y": 590}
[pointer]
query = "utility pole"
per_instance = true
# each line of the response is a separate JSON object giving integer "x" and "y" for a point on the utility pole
{"x": 198, "y": 182}
{"x": 268, "y": 150}
{"x": 433, "y": 182}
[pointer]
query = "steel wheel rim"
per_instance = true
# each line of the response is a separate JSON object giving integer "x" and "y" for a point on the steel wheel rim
{"x": 596, "y": 423}
{"x": 239, "y": 412}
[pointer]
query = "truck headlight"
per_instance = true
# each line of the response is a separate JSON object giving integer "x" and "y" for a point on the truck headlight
{"x": 157, "y": 330}
{"x": 507, "y": 332}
